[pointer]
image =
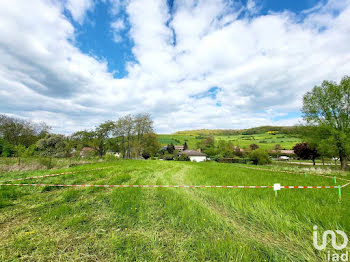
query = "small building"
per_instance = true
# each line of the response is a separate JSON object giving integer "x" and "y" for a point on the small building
{"x": 284, "y": 152}
{"x": 195, "y": 156}
{"x": 179, "y": 148}
{"x": 87, "y": 152}
{"x": 287, "y": 152}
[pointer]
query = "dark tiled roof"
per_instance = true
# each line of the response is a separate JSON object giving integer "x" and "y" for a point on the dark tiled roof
{"x": 193, "y": 153}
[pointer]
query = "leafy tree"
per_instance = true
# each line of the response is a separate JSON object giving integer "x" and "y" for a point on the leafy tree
{"x": 21, "y": 132}
{"x": 277, "y": 150}
{"x": 19, "y": 152}
{"x": 208, "y": 142}
{"x": 211, "y": 151}
{"x": 7, "y": 149}
{"x": 259, "y": 157}
{"x": 143, "y": 125}
{"x": 277, "y": 147}
{"x": 150, "y": 145}
{"x": 52, "y": 145}
{"x": 126, "y": 129}
{"x": 30, "y": 151}
{"x": 326, "y": 150}
{"x": 237, "y": 151}
{"x": 305, "y": 151}
{"x": 254, "y": 146}
{"x": 183, "y": 157}
{"x": 326, "y": 110}
{"x": 225, "y": 149}
{"x": 170, "y": 148}
{"x": 129, "y": 134}
{"x": 2, "y": 142}
{"x": 101, "y": 133}
{"x": 96, "y": 139}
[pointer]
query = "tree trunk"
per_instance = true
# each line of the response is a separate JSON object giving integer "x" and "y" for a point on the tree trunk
{"x": 100, "y": 149}
{"x": 343, "y": 162}
{"x": 123, "y": 146}
{"x": 128, "y": 149}
{"x": 313, "y": 161}
{"x": 322, "y": 160}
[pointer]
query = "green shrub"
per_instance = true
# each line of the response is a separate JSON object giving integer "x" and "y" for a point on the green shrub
{"x": 183, "y": 157}
{"x": 110, "y": 157}
{"x": 47, "y": 162}
{"x": 7, "y": 149}
{"x": 259, "y": 157}
{"x": 167, "y": 157}
{"x": 217, "y": 158}
{"x": 30, "y": 151}
{"x": 146, "y": 154}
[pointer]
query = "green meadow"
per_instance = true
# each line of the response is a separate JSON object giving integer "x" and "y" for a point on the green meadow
{"x": 167, "y": 224}
{"x": 265, "y": 141}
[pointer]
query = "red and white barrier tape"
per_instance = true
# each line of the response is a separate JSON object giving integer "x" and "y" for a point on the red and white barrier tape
{"x": 2, "y": 183}
{"x": 345, "y": 185}
{"x": 33, "y": 177}
{"x": 309, "y": 187}
{"x": 166, "y": 186}
{"x": 50, "y": 175}
{"x": 290, "y": 172}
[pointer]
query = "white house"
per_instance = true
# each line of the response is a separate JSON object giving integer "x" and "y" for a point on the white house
{"x": 195, "y": 156}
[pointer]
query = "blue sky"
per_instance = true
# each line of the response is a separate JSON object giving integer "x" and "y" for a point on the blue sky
{"x": 95, "y": 37}
{"x": 191, "y": 64}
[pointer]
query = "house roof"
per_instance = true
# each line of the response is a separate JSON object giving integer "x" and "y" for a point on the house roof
{"x": 179, "y": 147}
{"x": 85, "y": 149}
{"x": 287, "y": 152}
{"x": 193, "y": 153}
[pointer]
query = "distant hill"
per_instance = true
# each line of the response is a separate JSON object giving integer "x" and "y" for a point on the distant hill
{"x": 249, "y": 131}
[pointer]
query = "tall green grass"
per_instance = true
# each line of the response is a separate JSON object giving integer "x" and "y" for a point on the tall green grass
{"x": 167, "y": 224}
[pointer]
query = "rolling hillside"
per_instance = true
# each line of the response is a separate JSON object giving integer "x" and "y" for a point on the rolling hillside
{"x": 266, "y": 137}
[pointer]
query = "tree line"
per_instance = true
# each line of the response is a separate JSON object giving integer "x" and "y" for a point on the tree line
{"x": 132, "y": 135}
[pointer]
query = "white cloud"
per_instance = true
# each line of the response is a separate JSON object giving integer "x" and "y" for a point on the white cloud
{"x": 78, "y": 8}
{"x": 252, "y": 7}
{"x": 117, "y": 26}
{"x": 116, "y": 5}
{"x": 262, "y": 64}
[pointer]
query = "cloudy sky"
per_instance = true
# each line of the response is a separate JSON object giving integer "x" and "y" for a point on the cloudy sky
{"x": 191, "y": 64}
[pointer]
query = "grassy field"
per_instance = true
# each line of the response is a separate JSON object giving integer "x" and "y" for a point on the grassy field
{"x": 167, "y": 224}
{"x": 265, "y": 141}
{"x": 191, "y": 140}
